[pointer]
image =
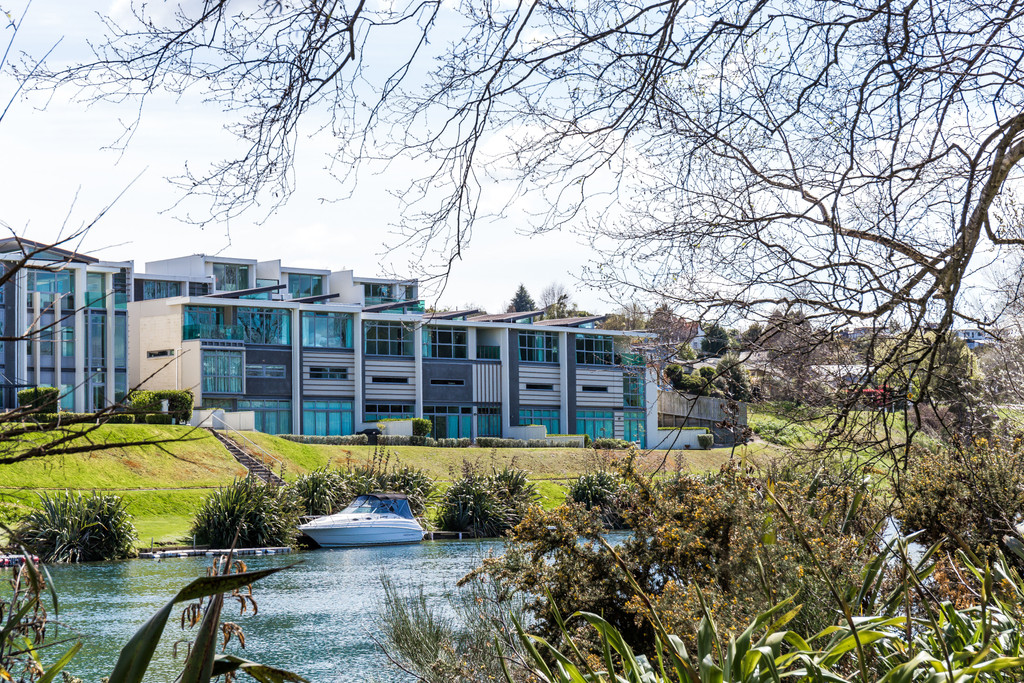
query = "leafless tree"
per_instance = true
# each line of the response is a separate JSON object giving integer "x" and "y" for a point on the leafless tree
{"x": 858, "y": 161}
{"x": 556, "y": 300}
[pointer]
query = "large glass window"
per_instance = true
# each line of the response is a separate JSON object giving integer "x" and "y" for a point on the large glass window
{"x": 327, "y": 418}
{"x": 160, "y": 289}
{"x": 96, "y": 348}
{"x": 203, "y": 315}
{"x": 272, "y": 416}
{"x": 264, "y": 371}
{"x": 120, "y": 340}
{"x": 634, "y": 429}
{"x": 595, "y": 349}
{"x": 599, "y": 424}
{"x": 229, "y": 277}
{"x": 97, "y": 390}
{"x": 265, "y": 325}
{"x": 50, "y": 284}
{"x": 374, "y": 412}
{"x": 449, "y": 422}
{"x": 385, "y": 338}
{"x": 327, "y": 330}
{"x": 206, "y": 322}
{"x": 300, "y": 285}
{"x": 538, "y": 347}
{"x": 541, "y": 416}
{"x": 632, "y": 390}
{"x": 222, "y": 372}
{"x": 488, "y": 421}
{"x": 95, "y": 290}
{"x": 67, "y": 396}
{"x": 444, "y": 342}
{"x": 67, "y": 342}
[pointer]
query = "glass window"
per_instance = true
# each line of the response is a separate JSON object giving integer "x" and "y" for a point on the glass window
{"x": 119, "y": 283}
{"x": 327, "y": 330}
{"x": 595, "y": 349}
{"x": 632, "y": 390}
{"x": 120, "y": 385}
{"x": 327, "y": 418}
{"x": 538, "y": 347}
{"x": 95, "y": 290}
{"x": 265, "y": 325}
{"x": 374, "y": 412}
{"x": 444, "y": 342}
{"x": 488, "y": 421}
{"x": 229, "y": 277}
{"x": 203, "y": 315}
{"x": 548, "y": 417}
{"x": 120, "y": 340}
{"x": 160, "y": 289}
{"x": 449, "y": 422}
{"x": 67, "y": 396}
{"x": 599, "y": 424}
{"x": 67, "y": 342}
{"x": 50, "y": 284}
{"x": 634, "y": 429}
{"x": 272, "y": 416}
{"x": 300, "y": 285}
{"x": 328, "y": 373}
{"x": 266, "y": 371}
{"x": 198, "y": 288}
{"x": 376, "y": 293}
{"x": 97, "y": 391}
{"x": 96, "y": 347}
{"x": 385, "y": 338}
{"x": 222, "y": 372}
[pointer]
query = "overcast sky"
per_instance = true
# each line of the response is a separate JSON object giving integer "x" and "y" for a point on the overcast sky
{"x": 59, "y": 169}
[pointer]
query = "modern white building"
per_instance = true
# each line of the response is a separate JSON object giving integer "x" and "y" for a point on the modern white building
{"x": 325, "y": 352}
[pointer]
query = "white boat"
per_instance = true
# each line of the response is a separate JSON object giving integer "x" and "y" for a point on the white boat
{"x": 371, "y": 519}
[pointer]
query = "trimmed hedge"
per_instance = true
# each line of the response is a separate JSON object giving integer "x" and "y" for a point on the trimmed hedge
{"x": 612, "y": 444}
{"x": 397, "y": 440}
{"x": 119, "y": 419}
{"x": 39, "y": 398}
{"x": 495, "y": 442}
{"x": 179, "y": 403}
{"x": 159, "y": 419}
{"x": 421, "y": 426}
{"x": 706, "y": 441}
{"x": 349, "y": 440}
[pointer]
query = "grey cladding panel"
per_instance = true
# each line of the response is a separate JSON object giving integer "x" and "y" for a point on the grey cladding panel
{"x": 441, "y": 382}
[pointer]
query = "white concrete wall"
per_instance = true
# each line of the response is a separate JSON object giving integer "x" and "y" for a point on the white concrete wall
{"x": 243, "y": 420}
{"x": 675, "y": 439}
{"x": 397, "y": 428}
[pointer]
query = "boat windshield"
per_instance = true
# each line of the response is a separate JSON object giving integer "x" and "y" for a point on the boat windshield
{"x": 371, "y": 505}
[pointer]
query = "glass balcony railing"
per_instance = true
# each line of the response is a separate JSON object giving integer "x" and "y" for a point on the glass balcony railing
{"x": 488, "y": 352}
{"x": 218, "y": 332}
{"x": 631, "y": 359}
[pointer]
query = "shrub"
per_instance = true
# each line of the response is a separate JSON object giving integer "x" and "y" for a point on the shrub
{"x": 263, "y": 515}
{"x": 143, "y": 401}
{"x": 179, "y": 403}
{"x": 322, "y": 491}
{"x": 349, "y": 440}
{"x": 495, "y": 442}
{"x": 471, "y": 505}
{"x": 159, "y": 419}
{"x": 706, "y": 441}
{"x": 606, "y": 444}
{"x": 70, "y": 527}
{"x": 587, "y": 441}
{"x": 594, "y": 489}
{"x": 421, "y": 426}
{"x": 119, "y": 419}
{"x": 39, "y": 398}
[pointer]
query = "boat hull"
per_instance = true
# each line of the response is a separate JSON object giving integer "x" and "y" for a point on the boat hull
{"x": 348, "y": 535}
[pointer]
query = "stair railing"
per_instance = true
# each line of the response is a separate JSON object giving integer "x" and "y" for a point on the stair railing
{"x": 264, "y": 454}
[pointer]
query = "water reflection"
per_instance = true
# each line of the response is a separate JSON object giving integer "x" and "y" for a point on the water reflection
{"x": 317, "y": 619}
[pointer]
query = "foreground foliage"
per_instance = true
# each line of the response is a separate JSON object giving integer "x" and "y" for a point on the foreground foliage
{"x": 70, "y": 527}
{"x": 486, "y": 504}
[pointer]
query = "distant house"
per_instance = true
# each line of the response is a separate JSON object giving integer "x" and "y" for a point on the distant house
{"x": 974, "y": 337}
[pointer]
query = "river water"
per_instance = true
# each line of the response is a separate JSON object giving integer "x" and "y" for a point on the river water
{"x": 317, "y": 619}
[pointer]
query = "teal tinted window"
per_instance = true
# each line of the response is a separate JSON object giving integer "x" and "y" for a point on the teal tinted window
{"x": 222, "y": 372}
{"x": 95, "y": 290}
{"x": 385, "y": 338}
{"x": 488, "y": 421}
{"x": 265, "y": 325}
{"x": 632, "y": 390}
{"x": 541, "y": 416}
{"x": 634, "y": 429}
{"x": 599, "y": 424}
{"x": 272, "y": 416}
{"x": 229, "y": 277}
{"x": 444, "y": 342}
{"x": 594, "y": 349}
{"x": 374, "y": 412}
{"x": 301, "y": 285}
{"x": 449, "y": 422}
{"x": 327, "y": 418}
{"x": 160, "y": 289}
{"x": 327, "y": 330}
{"x": 538, "y": 347}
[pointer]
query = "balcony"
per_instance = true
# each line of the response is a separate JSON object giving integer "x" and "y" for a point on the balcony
{"x": 216, "y": 332}
{"x": 488, "y": 352}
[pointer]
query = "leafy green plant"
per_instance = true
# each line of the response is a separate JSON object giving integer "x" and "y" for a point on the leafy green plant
{"x": 421, "y": 426}
{"x": 70, "y": 527}
{"x": 322, "y": 491}
{"x": 706, "y": 441}
{"x": 39, "y": 398}
{"x": 261, "y": 514}
{"x": 471, "y": 505}
{"x": 607, "y": 444}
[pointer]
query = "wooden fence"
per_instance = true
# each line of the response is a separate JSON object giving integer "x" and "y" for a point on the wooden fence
{"x": 684, "y": 410}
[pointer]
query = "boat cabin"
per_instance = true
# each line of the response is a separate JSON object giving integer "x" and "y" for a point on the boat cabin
{"x": 380, "y": 504}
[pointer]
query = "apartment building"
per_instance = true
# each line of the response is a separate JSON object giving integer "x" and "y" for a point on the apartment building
{"x": 325, "y": 352}
{"x": 69, "y": 314}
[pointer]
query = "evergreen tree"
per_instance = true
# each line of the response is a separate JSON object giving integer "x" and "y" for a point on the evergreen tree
{"x": 522, "y": 301}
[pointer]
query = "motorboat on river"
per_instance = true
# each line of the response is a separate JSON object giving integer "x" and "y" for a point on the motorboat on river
{"x": 370, "y": 519}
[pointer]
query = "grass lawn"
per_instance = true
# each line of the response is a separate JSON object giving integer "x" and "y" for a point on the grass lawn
{"x": 446, "y": 463}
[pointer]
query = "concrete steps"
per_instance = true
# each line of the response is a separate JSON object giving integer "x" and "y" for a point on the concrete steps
{"x": 256, "y": 467}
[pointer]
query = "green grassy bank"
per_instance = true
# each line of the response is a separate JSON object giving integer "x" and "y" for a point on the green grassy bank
{"x": 166, "y": 482}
